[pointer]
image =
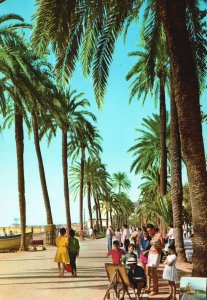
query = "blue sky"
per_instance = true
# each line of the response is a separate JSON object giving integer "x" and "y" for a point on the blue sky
{"x": 117, "y": 122}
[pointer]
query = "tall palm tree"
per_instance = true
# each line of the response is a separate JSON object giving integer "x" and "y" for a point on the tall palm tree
{"x": 120, "y": 180}
{"x": 19, "y": 137}
{"x": 76, "y": 117}
{"x": 40, "y": 119}
{"x": 35, "y": 125}
{"x": 86, "y": 139}
{"x": 9, "y": 64}
{"x": 95, "y": 26}
{"x": 152, "y": 40}
{"x": 149, "y": 77}
{"x": 26, "y": 87}
{"x": 176, "y": 178}
{"x": 186, "y": 84}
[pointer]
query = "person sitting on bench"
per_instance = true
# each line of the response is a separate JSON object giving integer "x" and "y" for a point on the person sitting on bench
{"x": 136, "y": 276}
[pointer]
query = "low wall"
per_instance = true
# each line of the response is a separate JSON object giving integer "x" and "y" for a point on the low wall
{"x": 16, "y": 230}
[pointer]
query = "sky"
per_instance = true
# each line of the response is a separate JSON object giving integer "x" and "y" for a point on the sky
{"x": 116, "y": 121}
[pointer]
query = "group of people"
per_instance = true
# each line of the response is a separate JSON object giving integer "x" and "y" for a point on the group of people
{"x": 4, "y": 233}
{"x": 67, "y": 251}
{"x": 140, "y": 250}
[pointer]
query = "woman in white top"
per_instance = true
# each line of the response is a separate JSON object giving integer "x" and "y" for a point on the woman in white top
{"x": 170, "y": 271}
{"x": 118, "y": 235}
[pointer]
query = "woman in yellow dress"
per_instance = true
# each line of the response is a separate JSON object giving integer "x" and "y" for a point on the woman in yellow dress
{"x": 62, "y": 256}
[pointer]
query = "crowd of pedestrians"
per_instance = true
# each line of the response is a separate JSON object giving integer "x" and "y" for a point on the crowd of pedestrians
{"x": 140, "y": 250}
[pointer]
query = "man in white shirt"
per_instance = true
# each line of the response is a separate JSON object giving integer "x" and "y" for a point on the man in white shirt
{"x": 125, "y": 237}
{"x": 171, "y": 236}
{"x": 91, "y": 233}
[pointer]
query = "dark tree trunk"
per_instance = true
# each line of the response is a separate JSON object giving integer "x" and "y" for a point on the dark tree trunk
{"x": 41, "y": 168}
{"x": 107, "y": 218}
{"x": 65, "y": 178}
{"x": 81, "y": 185}
{"x": 110, "y": 213}
{"x": 176, "y": 179}
{"x": 97, "y": 212}
{"x": 19, "y": 137}
{"x": 117, "y": 221}
{"x": 100, "y": 217}
{"x": 186, "y": 87}
{"x": 163, "y": 148}
{"x": 89, "y": 204}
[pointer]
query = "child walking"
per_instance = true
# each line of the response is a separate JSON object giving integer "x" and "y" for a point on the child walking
{"x": 170, "y": 272}
{"x": 116, "y": 253}
{"x": 74, "y": 248}
{"x": 62, "y": 256}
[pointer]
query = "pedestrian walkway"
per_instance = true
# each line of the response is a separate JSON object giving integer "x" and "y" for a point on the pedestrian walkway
{"x": 34, "y": 275}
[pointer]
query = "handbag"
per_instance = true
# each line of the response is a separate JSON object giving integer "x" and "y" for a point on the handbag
{"x": 68, "y": 268}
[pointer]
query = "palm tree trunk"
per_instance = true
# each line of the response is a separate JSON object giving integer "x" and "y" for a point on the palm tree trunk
{"x": 65, "y": 178}
{"x": 19, "y": 137}
{"x": 173, "y": 16}
{"x": 107, "y": 218}
{"x": 110, "y": 214}
{"x": 100, "y": 217}
{"x": 176, "y": 187}
{"x": 41, "y": 169}
{"x": 81, "y": 185}
{"x": 97, "y": 213}
{"x": 163, "y": 148}
{"x": 89, "y": 204}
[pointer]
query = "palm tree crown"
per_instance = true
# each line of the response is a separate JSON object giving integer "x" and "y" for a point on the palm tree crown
{"x": 147, "y": 149}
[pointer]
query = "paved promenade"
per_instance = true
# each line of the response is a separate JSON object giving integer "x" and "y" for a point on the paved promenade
{"x": 34, "y": 275}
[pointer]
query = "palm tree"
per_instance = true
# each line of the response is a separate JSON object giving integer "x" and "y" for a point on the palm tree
{"x": 19, "y": 137}
{"x": 35, "y": 125}
{"x": 176, "y": 179}
{"x": 11, "y": 90}
{"x": 123, "y": 208}
{"x": 152, "y": 75}
{"x": 147, "y": 149}
{"x": 161, "y": 206}
{"x": 151, "y": 183}
{"x": 186, "y": 84}
{"x": 40, "y": 119}
{"x": 96, "y": 26}
{"x": 75, "y": 116}
{"x": 30, "y": 90}
{"x": 85, "y": 139}
{"x": 95, "y": 178}
{"x": 159, "y": 210}
{"x": 120, "y": 180}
